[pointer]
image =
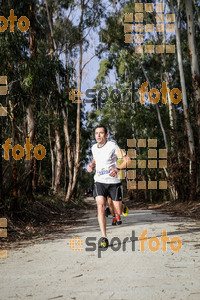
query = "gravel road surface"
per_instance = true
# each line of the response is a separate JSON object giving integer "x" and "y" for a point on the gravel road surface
{"x": 50, "y": 269}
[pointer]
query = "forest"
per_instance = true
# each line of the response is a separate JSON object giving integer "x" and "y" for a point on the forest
{"x": 147, "y": 88}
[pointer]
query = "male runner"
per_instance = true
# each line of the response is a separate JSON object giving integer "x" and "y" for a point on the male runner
{"x": 105, "y": 156}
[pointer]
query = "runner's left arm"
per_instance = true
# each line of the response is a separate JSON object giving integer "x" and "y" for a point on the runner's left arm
{"x": 91, "y": 166}
{"x": 121, "y": 155}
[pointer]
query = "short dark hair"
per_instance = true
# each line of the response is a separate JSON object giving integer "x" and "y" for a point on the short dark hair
{"x": 101, "y": 126}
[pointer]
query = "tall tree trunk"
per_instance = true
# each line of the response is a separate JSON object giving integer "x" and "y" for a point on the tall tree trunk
{"x": 30, "y": 128}
{"x": 194, "y": 62}
{"x": 1, "y": 169}
{"x": 3, "y": 9}
{"x": 69, "y": 155}
{"x": 166, "y": 77}
{"x": 59, "y": 156}
{"x": 169, "y": 102}
{"x": 78, "y": 116}
{"x": 52, "y": 155}
{"x": 69, "y": 159}
{"x": 185, "y": 108}
{"x": 197, "y": 11}
{"x": 59, "y": 160}
{"x": 14, "y": 205}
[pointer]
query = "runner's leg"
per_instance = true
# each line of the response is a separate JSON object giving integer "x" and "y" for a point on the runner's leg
{"x": 117, "y": 207}
{"x": 116, "y": 194}
{"x": 101, "y": 204}
{"x": 111, "y": 207}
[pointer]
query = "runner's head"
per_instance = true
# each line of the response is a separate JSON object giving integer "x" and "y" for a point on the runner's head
{"x": 101, "y": 134}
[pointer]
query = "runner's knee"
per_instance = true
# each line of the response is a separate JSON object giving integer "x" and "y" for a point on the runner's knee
{"x": 101, "y": 208}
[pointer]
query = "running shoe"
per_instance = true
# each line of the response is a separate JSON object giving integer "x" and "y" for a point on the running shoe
{"x": 107, "y": 211}
{"x": 125, "y": 210}
{"x": 114, "y": 221}
{"x": 103, "y": 242}
{"x": 118, "y": 220}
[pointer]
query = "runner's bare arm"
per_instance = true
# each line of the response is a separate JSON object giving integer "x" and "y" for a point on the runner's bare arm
{"x": 125, "y": 162}
{"x": 91, "y": 166}
{"x": 124, "y": 158}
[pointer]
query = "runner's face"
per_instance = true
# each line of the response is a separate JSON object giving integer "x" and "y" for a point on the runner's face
{"x": 100, "y": 136}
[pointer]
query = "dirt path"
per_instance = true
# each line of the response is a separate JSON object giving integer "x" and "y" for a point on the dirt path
{"x": 50, "y": 269}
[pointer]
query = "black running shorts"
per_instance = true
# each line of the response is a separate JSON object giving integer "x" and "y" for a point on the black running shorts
{"x": 114, "y": 191}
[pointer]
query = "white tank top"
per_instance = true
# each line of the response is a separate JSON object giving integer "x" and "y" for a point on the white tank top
{"x": 105, "y": 159}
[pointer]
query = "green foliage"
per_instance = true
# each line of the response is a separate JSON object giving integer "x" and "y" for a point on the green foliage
{"x": 104, "y": 68}
{"x": 131, "y": 119}
{"x": 33, "y": 81}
